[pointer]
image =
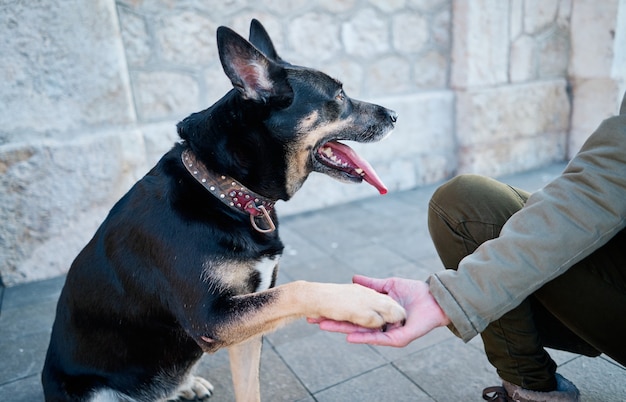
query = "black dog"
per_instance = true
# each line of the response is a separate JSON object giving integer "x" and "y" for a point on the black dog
{"x": 186, "y": 261}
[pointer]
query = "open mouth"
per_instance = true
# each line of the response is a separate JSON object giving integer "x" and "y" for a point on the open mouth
{"x": 341, "y": 158}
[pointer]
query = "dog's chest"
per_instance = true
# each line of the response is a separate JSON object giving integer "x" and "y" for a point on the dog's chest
{"x": 266, "y": 267}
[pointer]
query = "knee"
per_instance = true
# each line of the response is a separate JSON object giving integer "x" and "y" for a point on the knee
{"x": 475, "y": 198}
{"x": 458, "y": 192}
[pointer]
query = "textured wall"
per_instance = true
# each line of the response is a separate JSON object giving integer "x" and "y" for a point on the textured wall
{"x": 91, "y": 91}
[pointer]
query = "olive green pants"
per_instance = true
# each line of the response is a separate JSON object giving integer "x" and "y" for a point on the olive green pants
{"x": 582, "y": 311}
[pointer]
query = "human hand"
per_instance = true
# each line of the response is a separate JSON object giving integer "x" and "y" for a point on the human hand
{"x": 423, "y": 313}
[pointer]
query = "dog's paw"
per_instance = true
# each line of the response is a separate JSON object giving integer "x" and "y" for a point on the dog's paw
{"x": 380, "y": 310}
{"x": 365, "y": 307}
{"x": 195, "y": 388}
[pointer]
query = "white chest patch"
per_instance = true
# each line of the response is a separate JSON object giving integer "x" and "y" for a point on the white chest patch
{"x": 265, "y": 268}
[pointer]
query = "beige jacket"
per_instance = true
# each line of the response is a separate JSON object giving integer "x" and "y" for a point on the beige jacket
{"x": 560, "y": 224}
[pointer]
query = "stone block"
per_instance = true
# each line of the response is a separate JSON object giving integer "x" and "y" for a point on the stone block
{"x": 594, "y": 100}
{"x": 565, "y": 12}
{"x": 431, "y": 71}
{"x": 56, "y": 195}
{"x": 510, "y": 156}
{"x": 137, "y": 44}
{"x": 410, "y": 32}
{"x": 486, "y": 116}
{"x": 282, "y": 7}
{"x": 441, "y": 29}
{"x": 539, "y": 14}
{"x": 307, "y": 47}
{"x": 389, "y": 75}
{"x": 522, "y": 66}
{"x": 388, "y": 6}
{"x": 593, "y": 25}
{"x": 50, "y": 82}
{"x": 480, "y": 48}
{"x": 516, "y": 19}
{"x": 366, "y": 34}
{"x": 163, "y": 95}
{"x": 618, "y": 70}
{"x": 186, "y": 38}
{"x": 553, "y": 50}
{"x": 337, "y": 6}
{"x": 158, "y": 139}
{"x": 427, "y": 5}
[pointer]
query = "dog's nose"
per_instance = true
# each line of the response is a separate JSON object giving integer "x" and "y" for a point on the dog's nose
{"x": 393, "y": 116}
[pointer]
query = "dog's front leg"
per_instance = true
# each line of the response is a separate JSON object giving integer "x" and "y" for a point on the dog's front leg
{"x": 244, "y": 366}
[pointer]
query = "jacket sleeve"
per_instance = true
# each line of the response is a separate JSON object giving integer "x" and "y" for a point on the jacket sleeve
{"x": 561, "y": 224}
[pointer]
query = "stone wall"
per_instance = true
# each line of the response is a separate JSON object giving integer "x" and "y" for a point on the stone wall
{"x": 91, "y": 92}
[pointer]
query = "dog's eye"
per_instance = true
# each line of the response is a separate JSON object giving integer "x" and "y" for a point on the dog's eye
{"x": 341, "y": 96}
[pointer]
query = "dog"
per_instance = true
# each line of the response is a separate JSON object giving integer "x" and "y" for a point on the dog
{"x": 185, "y": 263}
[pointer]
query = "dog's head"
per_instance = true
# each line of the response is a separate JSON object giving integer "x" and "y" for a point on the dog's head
{"x": 282, "y": 121}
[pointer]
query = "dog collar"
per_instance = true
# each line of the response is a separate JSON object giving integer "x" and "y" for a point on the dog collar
{"x": 231, "y": 192}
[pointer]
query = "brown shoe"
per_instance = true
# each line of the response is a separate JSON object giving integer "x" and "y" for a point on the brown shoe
{"x": 496, "y": 394}
{"x": 565, "y": 392}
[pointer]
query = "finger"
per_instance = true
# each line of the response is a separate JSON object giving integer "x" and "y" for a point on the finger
{"x": 372, "y": 283}
{"x": 376, "y": 338}
{"x": 341, "y": 326}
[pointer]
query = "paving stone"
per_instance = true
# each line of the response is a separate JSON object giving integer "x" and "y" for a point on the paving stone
{"x": 295, "y": 331}
{"x": 25, "y": 390}
{"x": 324, "y": 360}
{"x": 372, "y": 260}
{"x": 325, "y": 269}
{"x": 449, "y": 371}
{"x": 431, "y": 339}
{"x": 382, "y": 384}
{"x": 22, "y": 356}
{"x": 29, "y": 319}
{"x": 33, "y": 293}
{"x": 297, "y": 246}
{"x": 597, "y": 379}
{"x": 278, "y": 382}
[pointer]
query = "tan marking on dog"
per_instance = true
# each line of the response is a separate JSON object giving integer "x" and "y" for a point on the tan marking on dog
{"x": 307, "y": 122}
{"x": 234, "y": 275}
{"x": 244, "y": 358}
{"x": 227, "y": 275}
{"x": 300, "y": 153}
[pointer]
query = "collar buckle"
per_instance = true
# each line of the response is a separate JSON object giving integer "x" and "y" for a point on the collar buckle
{"x": 260, "y": 211}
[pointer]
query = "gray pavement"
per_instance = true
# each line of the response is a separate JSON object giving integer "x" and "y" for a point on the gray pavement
{"x": 380, "y": 236}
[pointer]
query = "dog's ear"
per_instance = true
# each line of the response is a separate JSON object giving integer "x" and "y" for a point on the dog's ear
{"x": 261, "y": 39}
{"x": 252, "y": 73}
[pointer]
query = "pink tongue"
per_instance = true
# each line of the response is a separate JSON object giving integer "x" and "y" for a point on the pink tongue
{"x": 347, "y": 154}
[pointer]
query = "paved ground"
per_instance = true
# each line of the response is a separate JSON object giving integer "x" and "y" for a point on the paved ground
{"x": 380, "y": 236}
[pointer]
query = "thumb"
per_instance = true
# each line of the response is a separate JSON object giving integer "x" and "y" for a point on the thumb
{"x": 372, "y": 283}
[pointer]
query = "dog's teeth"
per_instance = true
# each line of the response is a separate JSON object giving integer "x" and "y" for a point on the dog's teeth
{"x": 327, "y": 151}
{"x": 360, "y": 171}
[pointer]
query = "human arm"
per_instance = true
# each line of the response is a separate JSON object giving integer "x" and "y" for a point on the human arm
{"x": 561, "y": 224}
